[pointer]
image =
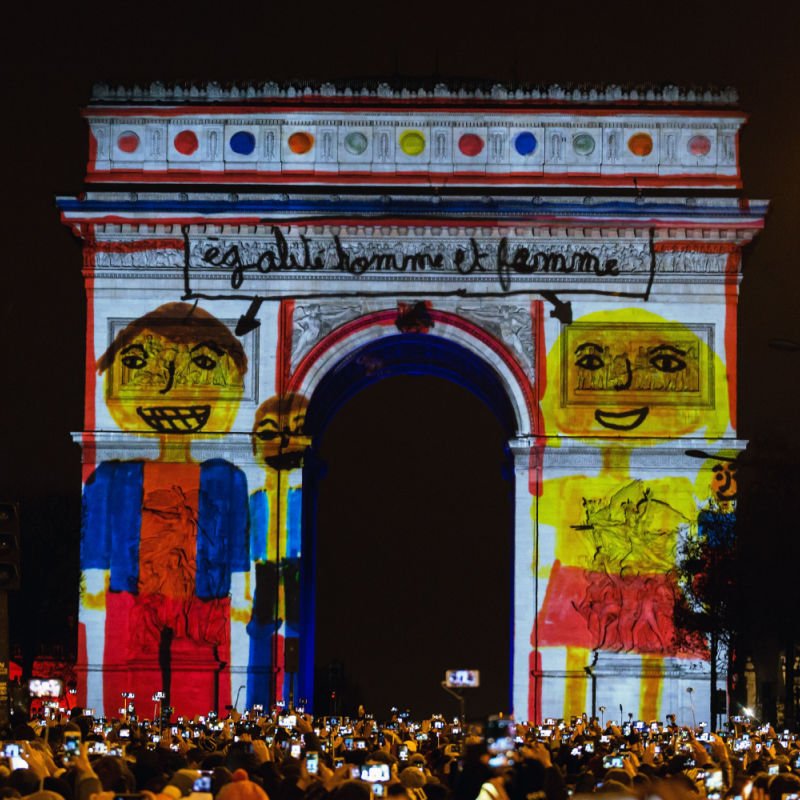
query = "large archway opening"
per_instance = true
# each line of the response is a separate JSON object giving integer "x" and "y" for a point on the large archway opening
{"x": 409, "y": 514}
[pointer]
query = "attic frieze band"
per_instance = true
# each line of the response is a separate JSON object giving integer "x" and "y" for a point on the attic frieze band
{"x": 142, "y": 145}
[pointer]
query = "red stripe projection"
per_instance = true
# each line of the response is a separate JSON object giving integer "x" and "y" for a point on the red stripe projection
{"x": 90, "y": 364}
{"x": 283, "y": 360}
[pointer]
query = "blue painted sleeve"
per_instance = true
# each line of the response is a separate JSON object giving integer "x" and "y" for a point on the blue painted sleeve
{"x": 222, "y": 545}
{"x": 125, "y": 510}
{"x": 240, "y": 524}
{"x": 293, "y": 523}
{"x": 95, "y": 530}
{"x": 259, "y": 520}
{"x": 111, "y": 521}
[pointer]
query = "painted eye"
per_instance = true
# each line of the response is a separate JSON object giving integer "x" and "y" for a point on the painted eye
{"x": 132, "y": 361}
{"x": 590, "y": 361}
{"x": 666, "y": 362}
{"x": 268, "y": 436}
{"x": 204, "y": 362}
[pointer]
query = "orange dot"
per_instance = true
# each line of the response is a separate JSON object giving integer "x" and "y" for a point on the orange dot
{"x": 641, "y": 144}
{"x": 301, "y": 142}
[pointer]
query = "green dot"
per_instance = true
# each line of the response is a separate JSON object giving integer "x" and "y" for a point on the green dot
{"x": 583, "y": 144}
{"x": 355, "y": 143}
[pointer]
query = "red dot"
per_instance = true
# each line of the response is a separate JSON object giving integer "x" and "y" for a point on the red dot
{"x": 699, "y": 145}
{"x": 128, "y": 142}
{"x": 186, "y": 143}
{"x": 470, "y": 144}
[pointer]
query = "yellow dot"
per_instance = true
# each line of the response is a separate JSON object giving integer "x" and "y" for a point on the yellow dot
{"x": 412, "y": 143}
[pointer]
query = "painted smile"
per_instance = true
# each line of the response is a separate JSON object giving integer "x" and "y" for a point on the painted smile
{"x": 175, "y": 419}
{"x": 622, "y": 420}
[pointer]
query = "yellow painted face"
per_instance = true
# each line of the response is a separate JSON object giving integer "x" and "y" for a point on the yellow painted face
{"x": 631, "y": 373}
{"x": 724, "y": 484}
{"x": 156, "y": 384}
{"x": 279, "y": 435}
{"x": 717, "y": 479}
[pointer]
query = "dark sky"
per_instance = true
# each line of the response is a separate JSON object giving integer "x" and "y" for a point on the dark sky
{"x": 51, "y": 59}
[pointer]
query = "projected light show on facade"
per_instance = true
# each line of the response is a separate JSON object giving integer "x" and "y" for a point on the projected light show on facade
{"x": 582, "y": 282}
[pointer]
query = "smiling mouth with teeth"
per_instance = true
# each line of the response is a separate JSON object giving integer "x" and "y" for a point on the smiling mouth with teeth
{"x": 175, "y": 419}
{"x": 622, "y": 420}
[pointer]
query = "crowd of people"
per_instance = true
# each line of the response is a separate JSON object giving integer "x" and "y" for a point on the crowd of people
{"x": 286, "y": 755}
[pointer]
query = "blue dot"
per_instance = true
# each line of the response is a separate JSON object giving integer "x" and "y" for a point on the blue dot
{"x": 525, "y": 143}
{"x": 243, "y": 143}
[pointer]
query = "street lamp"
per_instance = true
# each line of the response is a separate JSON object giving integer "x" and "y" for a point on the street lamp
{"x": 590, "y": 673}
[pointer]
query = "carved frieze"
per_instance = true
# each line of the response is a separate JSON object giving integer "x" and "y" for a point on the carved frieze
{"x": 630, "y": 254}
{"x": 510, "y": 323}
{"x": 377, "y": 262}
{"x": 313, "y": 321}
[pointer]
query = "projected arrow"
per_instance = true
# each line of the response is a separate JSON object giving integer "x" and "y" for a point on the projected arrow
{"x": 561, "y": 311}
{"x": 248, "y": 322}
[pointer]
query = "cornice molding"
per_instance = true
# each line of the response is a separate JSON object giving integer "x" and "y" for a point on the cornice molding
{"x": 126, "y": 215}
{"x": 486, "y": 91}
{"x": 552, "y": 452}
{"x": 645, "y": 455}
{"x": 100, "y": 446}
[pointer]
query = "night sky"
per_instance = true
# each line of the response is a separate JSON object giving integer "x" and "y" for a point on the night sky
{"x": 410, "y": 593}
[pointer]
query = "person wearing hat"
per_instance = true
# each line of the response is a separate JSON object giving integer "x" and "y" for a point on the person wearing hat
{"x": 241, "y": 788}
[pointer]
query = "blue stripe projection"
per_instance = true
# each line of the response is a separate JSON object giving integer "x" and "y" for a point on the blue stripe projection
{"x": 399, "y": 206}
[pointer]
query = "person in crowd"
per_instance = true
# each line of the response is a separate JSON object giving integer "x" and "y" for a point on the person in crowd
{"x": 281, "y": 756}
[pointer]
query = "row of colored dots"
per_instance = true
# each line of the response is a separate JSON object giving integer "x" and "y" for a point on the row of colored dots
{"x": 412, "y": 143}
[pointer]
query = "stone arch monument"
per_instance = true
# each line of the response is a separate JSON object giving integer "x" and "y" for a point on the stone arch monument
{"x": 251, "y": 254}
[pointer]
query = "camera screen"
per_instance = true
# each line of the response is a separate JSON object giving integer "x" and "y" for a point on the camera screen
{"x": 500, "y": 735}
{"x": 714, "y": 780}
{"x": 375, "y": 773}
{"x": 462, "y": 678}
{"x": 41, "y": 687}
